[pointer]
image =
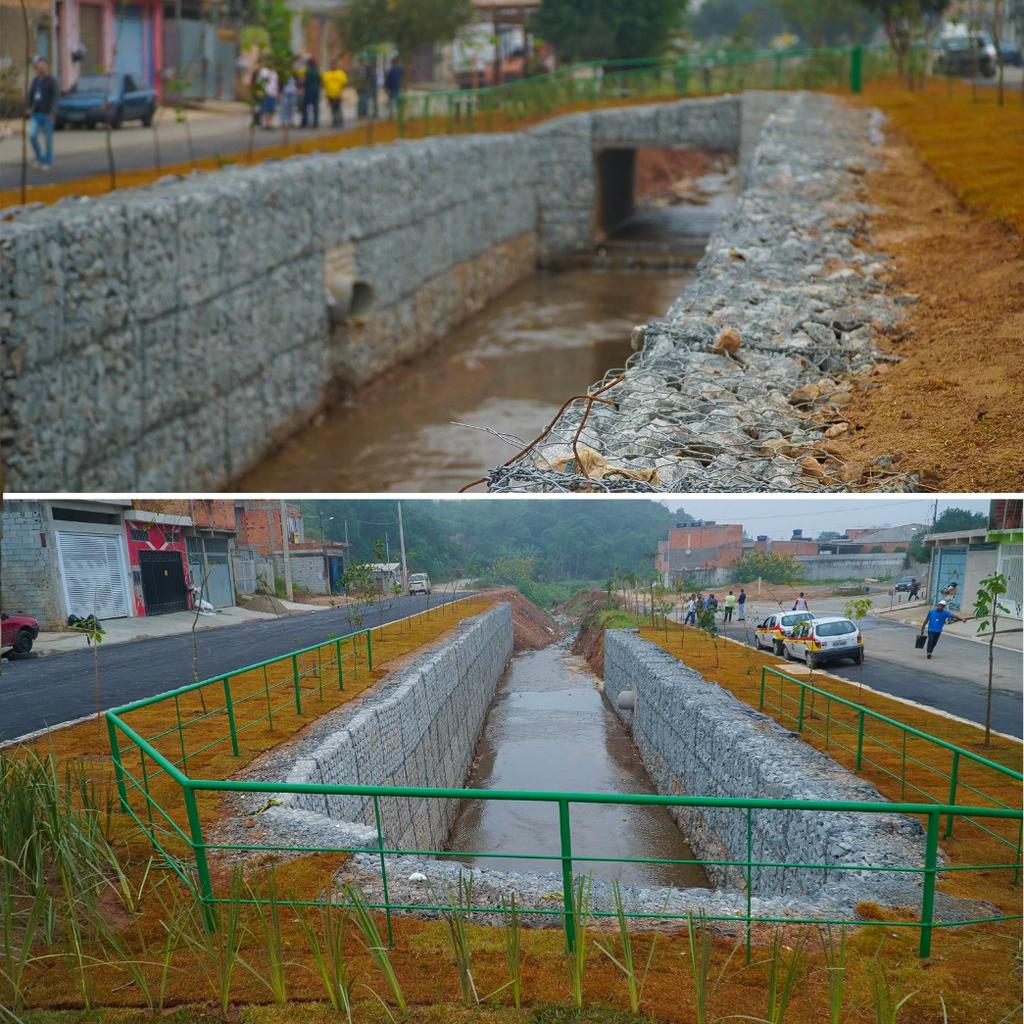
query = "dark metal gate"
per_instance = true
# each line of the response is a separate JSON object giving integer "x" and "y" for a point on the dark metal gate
{"x": 163, "y": 582}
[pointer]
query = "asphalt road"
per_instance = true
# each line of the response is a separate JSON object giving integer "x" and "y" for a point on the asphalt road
{"x": 955, "y": 680}
{"x": 38, "y": 693}
{"x": 81, "y": 153}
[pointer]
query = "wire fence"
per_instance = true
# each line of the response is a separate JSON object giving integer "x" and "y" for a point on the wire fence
{"x": 156, "y": 790}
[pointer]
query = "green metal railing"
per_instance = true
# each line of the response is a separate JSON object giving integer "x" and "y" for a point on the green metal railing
{"x": 175, "y": 826}
{"x": 813, "y": 710}
{"x": 597, "y": 83}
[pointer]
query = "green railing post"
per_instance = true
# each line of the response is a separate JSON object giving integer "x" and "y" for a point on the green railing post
{"x": 145, "y": 787}
{"x": 295, "y": 682}
{"x": 400, "y": 115}
{"x": 115, "y": 752}
{"x": 566, "y": 854}
{"x": 266, "y": 691}
{"x": 800, "y": 712}
{"x": 750, "y": 872}
{"x": 857, "y": 69}
{"x": 426, "y": 115}
{"x": 931, "y": 857}
{"x": 860, "y": 738}
{"x": 383, "y": 870}
{"x": 199, "y": 852}
{"x": 764, "y": 671}
{"x": 341, "y": 671}
{"x": 181, "y": 734}
{"x": 231, "y": 716}
{"x": 954, "y": 771}
{"x": 369, "y": 650}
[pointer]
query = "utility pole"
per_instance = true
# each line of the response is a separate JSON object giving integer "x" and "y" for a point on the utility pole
{"x": 289, "y": 593}
{"x": 401, "y": 542}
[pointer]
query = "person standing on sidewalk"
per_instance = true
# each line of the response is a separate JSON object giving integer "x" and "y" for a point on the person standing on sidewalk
{"x": 933, "y": 623}
{"x": 41, "y": 110}
{"x": 800, "y": 604}
{"x": 691, "y": 611}
{"x": 741, "y": 603}
{"x": 311, "y": 95}
{"x": 393, "y": 87}
{"x": 335, "y": 81}
{"x": 730, "y": 605}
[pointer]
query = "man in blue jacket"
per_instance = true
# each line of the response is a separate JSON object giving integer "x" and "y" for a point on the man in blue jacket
{"x": 41, "y": 109}
{"x": 933, "y": 623}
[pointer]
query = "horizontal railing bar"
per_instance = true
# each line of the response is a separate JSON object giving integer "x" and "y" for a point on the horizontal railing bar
{"x": 546, "y": 796}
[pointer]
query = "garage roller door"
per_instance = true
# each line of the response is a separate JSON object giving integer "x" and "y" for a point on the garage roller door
{"x": 93, "y": 575}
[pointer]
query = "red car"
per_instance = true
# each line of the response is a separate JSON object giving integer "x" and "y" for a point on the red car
{"x": 18, "y": 632}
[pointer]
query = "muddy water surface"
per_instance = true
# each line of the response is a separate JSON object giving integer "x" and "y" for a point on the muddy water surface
{"x": 550, "y": 729}
{"x": 508, "y": 368}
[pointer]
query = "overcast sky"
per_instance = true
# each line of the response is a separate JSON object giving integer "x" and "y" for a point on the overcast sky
{"x": 778, "y": 517}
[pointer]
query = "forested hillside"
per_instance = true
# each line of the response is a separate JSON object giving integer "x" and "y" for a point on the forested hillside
{"x": 586, "y": 540}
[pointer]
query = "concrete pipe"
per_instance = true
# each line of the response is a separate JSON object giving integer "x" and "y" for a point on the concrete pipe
{"x": 626, "y": 700}
{"x": 347, "y": 297}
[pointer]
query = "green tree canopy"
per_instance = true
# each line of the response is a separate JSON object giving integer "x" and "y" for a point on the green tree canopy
{"x": 408, "y": 25}
{"x": 767, "y": 565}
{"x": 608, "y": 29}
{"x": 959, "y": 519}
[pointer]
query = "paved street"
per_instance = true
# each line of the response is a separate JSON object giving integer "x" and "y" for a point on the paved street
{"x": 37, "y": 693}
{"x": 954, "y": 680}
{"x": 80, "y": 153}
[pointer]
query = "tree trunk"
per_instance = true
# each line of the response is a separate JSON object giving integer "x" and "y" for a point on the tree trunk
{"x": 988, "y": 696}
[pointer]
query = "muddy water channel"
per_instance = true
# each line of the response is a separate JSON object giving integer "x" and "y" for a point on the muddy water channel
{"x": 549, "y": 729}
{"x": 509, "y": 368}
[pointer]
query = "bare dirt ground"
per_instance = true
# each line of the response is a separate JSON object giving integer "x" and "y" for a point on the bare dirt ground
{"x": 951, "y": 408}
{"x": 533, "y": 629}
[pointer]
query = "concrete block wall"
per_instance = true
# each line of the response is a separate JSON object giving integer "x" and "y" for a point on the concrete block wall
{"x": 169, "y": 337}
{"x": 421, "y": 729}
{"x": 696, "y": 738}
{"x": 28, "y": 584}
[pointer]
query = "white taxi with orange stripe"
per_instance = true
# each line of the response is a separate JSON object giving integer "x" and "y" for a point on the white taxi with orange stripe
{"x": 771, "y": 633}
{"x": 826, "y": 638}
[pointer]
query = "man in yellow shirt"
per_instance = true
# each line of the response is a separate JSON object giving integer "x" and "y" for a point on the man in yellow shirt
{"x": 335, "y": 81}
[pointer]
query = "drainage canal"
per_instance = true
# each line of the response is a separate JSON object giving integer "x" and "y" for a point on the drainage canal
{"x": 512, "y": 365}
{"x": 549, "y": 729}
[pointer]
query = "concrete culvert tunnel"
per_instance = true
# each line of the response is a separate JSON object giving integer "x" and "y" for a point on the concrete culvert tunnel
{"x": 661, "y": 198}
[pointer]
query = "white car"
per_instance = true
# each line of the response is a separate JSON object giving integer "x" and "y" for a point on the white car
{"x": 419, "y": 583}
{"x": 771, "y": 633}
{"x": 827, "y": 638}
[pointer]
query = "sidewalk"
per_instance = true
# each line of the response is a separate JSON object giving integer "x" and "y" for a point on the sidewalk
{"x": 912, "y": 614}
{"x": 120, "y": 631}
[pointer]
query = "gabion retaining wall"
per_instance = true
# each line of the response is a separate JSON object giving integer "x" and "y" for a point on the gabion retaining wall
{"x": 419, "y": 730}
{"x": 169, "y": 337}
{"x": 695, "y": 737}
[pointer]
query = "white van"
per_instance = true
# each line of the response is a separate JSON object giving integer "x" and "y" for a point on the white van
{"x": 419, "y": 583}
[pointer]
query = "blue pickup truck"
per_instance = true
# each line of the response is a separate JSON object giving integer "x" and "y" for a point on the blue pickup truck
{"x": 106, "y": 98}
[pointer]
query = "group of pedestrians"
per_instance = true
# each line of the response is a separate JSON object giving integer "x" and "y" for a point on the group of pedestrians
{"x": 304, "y": 86}
{"x": 732, "y": 604}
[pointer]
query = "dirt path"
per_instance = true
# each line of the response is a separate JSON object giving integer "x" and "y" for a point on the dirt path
{"x": 951, "y": 408}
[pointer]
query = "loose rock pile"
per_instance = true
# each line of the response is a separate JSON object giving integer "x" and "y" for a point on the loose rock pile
{"x": 741, "y": 386}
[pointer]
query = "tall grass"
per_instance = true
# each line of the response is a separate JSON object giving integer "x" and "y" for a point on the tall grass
{"x": 625, "y": 961}
{"x": 513, "y": 949}
{"x": 576, "y": 958}
{"x": 268, "y": 932}
{"x": 456, "y": 916}
{"x": 835, "y": 966}
{"x": 701, "y": 955}
{"x": 217, "y": 940}
{"x": 326, "y": 941}
{"x": 885, "y": 1003}
{"x": 364, "y": 921}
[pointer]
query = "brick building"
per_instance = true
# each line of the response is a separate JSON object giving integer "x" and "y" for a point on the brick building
{"x": 699, "y": 551}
